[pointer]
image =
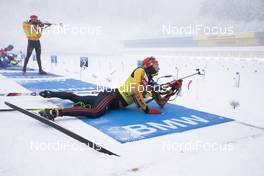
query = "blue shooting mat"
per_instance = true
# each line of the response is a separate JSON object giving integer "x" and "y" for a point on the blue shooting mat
{"x": 56, "y": 85}
{"x": 16, "y": 67}
{"x": 132, "y": 124}
{"x": 18, "y": 75}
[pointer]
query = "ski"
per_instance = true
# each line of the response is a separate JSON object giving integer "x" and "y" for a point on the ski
{"x": 12, "y": 94}
{"x": 28, "y": 109}
{"x": 62, "y": 129}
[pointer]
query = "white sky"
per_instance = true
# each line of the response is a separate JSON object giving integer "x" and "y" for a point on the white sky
{"x": 118, "y": 19}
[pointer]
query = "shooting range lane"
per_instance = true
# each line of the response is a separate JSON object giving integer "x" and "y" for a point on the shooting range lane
{"x": 129, "y": 124}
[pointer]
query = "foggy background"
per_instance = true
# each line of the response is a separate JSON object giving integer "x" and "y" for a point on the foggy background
{"x": 121, "y": 19}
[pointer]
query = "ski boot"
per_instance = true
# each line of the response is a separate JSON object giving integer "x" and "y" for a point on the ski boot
{"x": 24, "y": 71}
{"x": 42, "y": 72}
{"x": 49, "y": 114}
{"x": 45, "y": 93}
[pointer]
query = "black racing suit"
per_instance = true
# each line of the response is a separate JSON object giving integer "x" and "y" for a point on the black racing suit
{"x": 33, "y": 44}
{"x": 91, "y": 106}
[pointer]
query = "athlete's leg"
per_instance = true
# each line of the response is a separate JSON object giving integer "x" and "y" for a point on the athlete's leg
{"x": 38, "y": 54}
{"x": 105, "y": 103}
{"x": 69, "y": 96}
{"x": 30, "y": 48}
{"x": 79, "y": 100}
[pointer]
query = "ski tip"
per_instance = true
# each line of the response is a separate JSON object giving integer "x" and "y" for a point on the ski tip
{"x": 9, "y": 104}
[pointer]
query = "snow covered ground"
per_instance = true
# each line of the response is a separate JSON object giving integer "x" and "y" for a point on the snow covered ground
{"x": 235, "y": 148}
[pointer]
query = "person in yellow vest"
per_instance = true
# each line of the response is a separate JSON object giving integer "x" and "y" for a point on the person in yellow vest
{"x": 33, "y": 29}
{"x": 133, "y": 90}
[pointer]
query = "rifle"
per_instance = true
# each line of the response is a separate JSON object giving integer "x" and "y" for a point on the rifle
{"x": 171, "y": 88}
{"x": 45, "y": 23}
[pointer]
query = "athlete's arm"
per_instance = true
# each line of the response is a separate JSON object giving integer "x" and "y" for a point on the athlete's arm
{"x": 161, "y": 101}
{"x": 138, "y": 93}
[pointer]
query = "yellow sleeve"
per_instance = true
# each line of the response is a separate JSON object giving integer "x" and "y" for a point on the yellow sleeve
{"x": 139, "y": 75}
{"x": 26, "y": 28}
{"x": 137, "y": 94}
{"x": 31, "y": 34}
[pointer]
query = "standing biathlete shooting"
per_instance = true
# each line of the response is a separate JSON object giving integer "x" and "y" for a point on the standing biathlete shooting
{"x": 138, "y": 86}
{"x": 33, "y": 30}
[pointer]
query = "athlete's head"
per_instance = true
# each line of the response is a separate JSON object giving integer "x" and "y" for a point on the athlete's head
{"x": 33, "y": 18}
{"x": 9, "y": 47}
{"x": 151, "y": 66}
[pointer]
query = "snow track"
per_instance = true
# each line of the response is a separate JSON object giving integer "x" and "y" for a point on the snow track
{"x": 28, "y": 146}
